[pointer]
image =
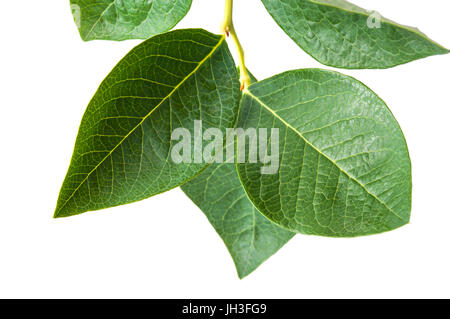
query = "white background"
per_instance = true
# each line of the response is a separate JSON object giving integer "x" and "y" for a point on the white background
{"x": 164, "y": 247}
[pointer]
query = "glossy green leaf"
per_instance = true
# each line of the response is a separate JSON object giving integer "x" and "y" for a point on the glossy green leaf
{"x": 249, "y": 236}
{"x": 344, "y": 166}
{"x": 123, "y": 149}
{"x": 339, "y": 34}
{"x": 127, "y": 19}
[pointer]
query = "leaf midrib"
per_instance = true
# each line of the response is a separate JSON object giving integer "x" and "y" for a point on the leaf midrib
{"x": 213, "y": 50}
{"x": 251, "y": 95}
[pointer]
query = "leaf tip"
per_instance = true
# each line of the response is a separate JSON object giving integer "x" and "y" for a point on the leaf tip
{"x": 242, "y": 275}
{"x": 61, "y": 211}
{"x": 243, "y": 272}
{"x": 57, "y": 213}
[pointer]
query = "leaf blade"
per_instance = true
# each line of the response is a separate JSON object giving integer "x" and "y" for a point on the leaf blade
{"x": 248, "y": 249}
{"x": 125, "y": 19}
{"x": 336, "y": 33}
{"x": 124, "y": 142}
{"x": 345, "y": 171}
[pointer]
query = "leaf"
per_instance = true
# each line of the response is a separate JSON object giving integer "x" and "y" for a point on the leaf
{"x": 249, "y": 236}
{"x": 123, "y": 149}
{"x": 344, "y": 166}
{"x": 339, "y": 34}
{"x": 127, "y": 19}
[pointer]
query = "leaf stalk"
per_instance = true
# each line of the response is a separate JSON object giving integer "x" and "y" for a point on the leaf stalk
{"x": 228, "y": 29}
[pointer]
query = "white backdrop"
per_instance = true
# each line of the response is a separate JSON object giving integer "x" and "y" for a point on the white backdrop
{"x": 164, "y": 247}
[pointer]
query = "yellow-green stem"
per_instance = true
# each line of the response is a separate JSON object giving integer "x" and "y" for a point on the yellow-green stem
{"x": 228, "y": 29}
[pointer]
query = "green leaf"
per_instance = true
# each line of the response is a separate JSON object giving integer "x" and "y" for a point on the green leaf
{"x": 123, "y": 149}
{"x": 344, "y": 166}
{"x": 339, "y": 34}
{"x": 249, "y": 236}
{"x": 127, "y": 19}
